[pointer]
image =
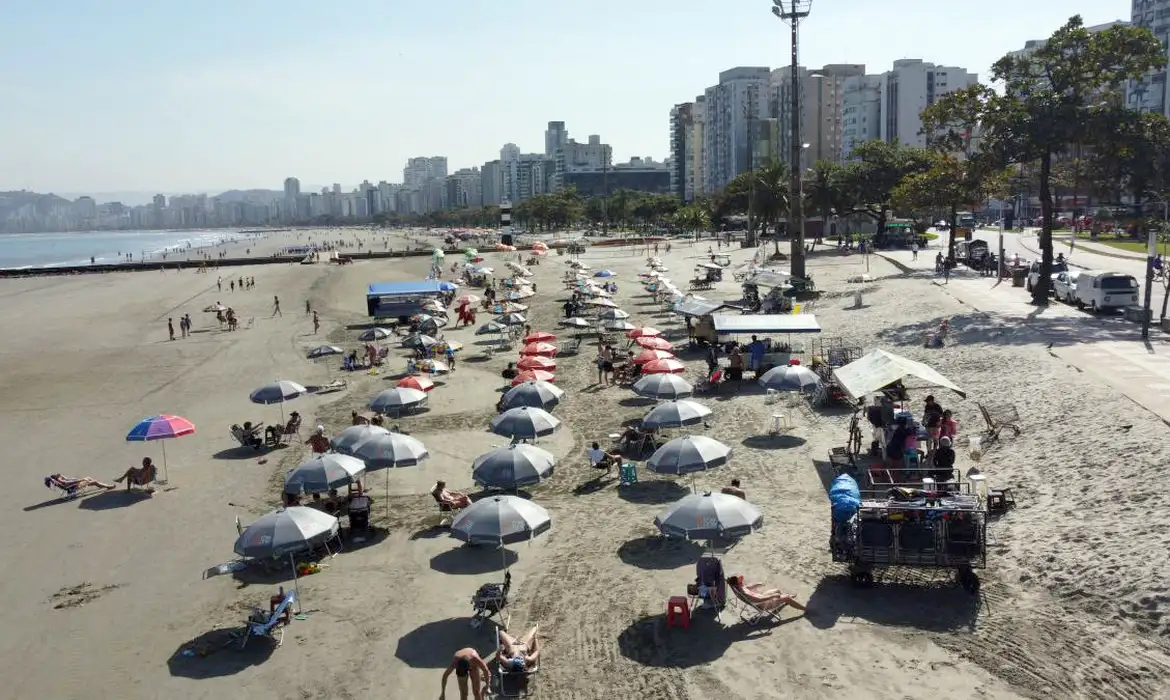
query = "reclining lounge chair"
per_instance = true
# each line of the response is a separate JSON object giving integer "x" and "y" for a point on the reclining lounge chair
{"x": 70, "y": 488}
{"x": 514, "y": 684}
{"x": 270, "y": 625}
{"x": 750, "y": 612}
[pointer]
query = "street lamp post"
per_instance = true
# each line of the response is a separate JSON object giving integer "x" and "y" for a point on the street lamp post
{"x": 792, "y": 12}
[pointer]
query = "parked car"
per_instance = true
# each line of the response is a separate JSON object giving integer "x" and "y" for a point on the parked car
{"x": 1103, "y": 290}
{"x": 1058, "y": 266}
{"x": 1064, "y": 286}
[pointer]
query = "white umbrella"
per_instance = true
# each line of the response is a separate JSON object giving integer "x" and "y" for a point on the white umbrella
{"x": 620, "y": 325}
{"x": 613, "y": 315}
{"x": 602, "y": 302}
{"x": 576, "y": 322}
{"x": 709, "y": 516}
{"x": 394, "y": 401}
{"x": 790, "y": 378}
{"x": 324, "y": 351}
{"x": 375, "y": 334}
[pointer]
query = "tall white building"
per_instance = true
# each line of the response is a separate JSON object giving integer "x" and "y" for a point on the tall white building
{"x": 741, "y": 97}
{"x": 896, "y": 100}
{"x": 555, "y": 137}
{"x": 572, "y": 156}
{"x": 682, "y": 151}
{"x": 821, "y": 101}
{"x": 510, "y": 161}
{"x": 696, "y": 174}
{"x": 492, "y": 183}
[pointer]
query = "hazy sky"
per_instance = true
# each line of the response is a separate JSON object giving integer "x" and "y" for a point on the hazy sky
{"x": 204, "y": 96}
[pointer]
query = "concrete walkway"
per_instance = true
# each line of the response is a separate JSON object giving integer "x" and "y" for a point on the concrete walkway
{"x": 1108, "y": 348}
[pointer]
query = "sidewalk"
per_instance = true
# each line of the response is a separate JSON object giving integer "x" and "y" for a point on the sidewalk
{"x": 1108, "y": 348}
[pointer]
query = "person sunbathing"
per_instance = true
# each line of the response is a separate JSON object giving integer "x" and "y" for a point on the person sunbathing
{"x": 451, "y": 499}
{"x": 139, "y": 476}
{"x": 519, "y": 655}
{"x": 764, "y": 599}
{"x": 70, "y": 483}
{"x": 467, "y": 664}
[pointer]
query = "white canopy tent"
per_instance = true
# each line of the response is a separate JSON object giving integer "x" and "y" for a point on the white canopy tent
{"x": 878, "y": 369}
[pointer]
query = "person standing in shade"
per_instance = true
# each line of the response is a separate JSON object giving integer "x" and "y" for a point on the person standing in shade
{"x": 276, "y": 307}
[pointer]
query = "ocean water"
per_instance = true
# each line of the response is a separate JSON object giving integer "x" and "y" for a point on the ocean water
{"x": 54, "y": 249}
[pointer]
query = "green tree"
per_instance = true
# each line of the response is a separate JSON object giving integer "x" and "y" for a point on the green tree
{"x": 950, "y": 184}
{"x": 866, "y": 185}
{"x": 1045, "y": 105}
{"x": 823, "y": 193}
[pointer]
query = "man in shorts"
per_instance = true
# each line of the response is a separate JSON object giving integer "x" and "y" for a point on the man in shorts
{"x": 467, "y": 664}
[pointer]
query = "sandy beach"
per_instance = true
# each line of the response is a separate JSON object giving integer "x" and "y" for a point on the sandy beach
{"x": 105, "y": 597}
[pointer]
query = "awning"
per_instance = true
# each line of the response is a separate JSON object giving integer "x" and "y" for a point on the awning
{"x": 378, "y": 289}
{"x": 879, "y": 369}
{"x": 769, "y": 278}
{"x": 728, "y": 324}
{"x": 701, "y": 308}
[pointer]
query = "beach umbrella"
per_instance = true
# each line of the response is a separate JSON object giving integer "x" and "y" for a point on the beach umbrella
{"x": 546, "y": 349}
{"x": 509, "y": 307}
{"x": 277, "y": 392}
{"x": 415, "y": 381}
{"x": 533, "y": 375}
{"x": 539, "y": 337}
{"x": 491, "y": 328}
{"x": 709, "y": 516}
{"x": 419, "y": 340}
{"x": 374, "y": 334}
{"x": 576, "y": 322}
{"x": 467, "y": 299}
{"x": 675, "y": 414}
{"x": 448, "y": 286}
{"x": 536, "y": 394}
{"x": 621, "y": 325}
{"x": 650, "y": 356}
{"x": 689, "y": 454}
{"x": 318, "y": 475}
{"x": 537, "y": 362}
{"x": 511, "y": 319}
{"x": 663, "y": 386}
{"x": 643, "y": 332}
{"x": 605, "y": 273}
{"x": 613, "y": 315}
{"x": 324, "y": 351}
{"x": 500, "y": 520}
{"x": 512, "y": 467}
{"x": 161, "y": 427}
{"x": 790, "y": 378}
{"x": 285, "y": 532}
{"x": 653, "y": 343}
{"x": 215, "y": 308}
{"x": 667, "y": 365}
{"x": 379, "y": 448}
{"x": 521, "y": 293}
{"x": 434, "y": 306}
{"x": 525, "y": 423}
{"x": 603, "y": 302}
{"x": 395, "y": 401}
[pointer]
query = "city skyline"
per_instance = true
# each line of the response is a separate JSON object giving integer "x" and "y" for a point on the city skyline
{"x": 151, "y": 99}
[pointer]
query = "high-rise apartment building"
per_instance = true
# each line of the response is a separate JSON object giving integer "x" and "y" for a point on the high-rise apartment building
{"x": 292, "y": 188}
{"x": 573, "y": 156}
{"x": 895, "y": 100}
{"x": 682, "y": 151}
{"x": 510, "y": 161}
{"x": 491, "y": 180}
{"x": 555, "y": 137}
{"x": 742, "y": 96}
{"x": 821, "y": 103}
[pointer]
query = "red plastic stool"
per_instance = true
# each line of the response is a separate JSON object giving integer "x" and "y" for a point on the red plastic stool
{"x": 678, "y": 612}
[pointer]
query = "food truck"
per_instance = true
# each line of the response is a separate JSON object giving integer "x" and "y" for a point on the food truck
{"x": 400, "y": 300}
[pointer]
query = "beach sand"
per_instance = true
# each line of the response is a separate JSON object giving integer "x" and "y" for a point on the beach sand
{"x": 104, "y": 596}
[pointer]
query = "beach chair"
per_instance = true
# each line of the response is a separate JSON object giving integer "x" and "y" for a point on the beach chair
{"x": 999, "y": 418}
{"x": 491, "y": 599}
{"x": 68, "y": 488}
{"x": 253, "y": 440}
{"x": 514, "y": 684}
{"x": 271, "y": 624}
{"x": 447, "y": 512}
{"x": 751, "y": 613}
{"x": 570, "y": 347}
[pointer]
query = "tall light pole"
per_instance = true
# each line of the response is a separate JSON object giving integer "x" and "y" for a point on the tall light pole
{"x": 792, "y": 12}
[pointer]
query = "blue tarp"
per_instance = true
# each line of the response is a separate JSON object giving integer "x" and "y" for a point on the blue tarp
{"x": 845, "y": 497}
{"x": 383, "y": 289}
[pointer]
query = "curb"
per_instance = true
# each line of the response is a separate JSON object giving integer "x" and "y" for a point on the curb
{"x": 1094, "y": 250}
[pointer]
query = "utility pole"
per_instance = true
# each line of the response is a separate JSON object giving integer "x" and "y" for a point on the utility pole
{"x": 604, "y": 193}
{"x": 792, "y": 12}
{"x": 748, "y": 117}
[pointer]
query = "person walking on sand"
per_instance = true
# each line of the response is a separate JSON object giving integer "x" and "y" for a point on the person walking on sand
{"x": 232, "y": 285}
{"x": 171, "y": 327}
{"x": 316, "y": 323}
{"x": 914, "y": 250}
{"x": 308, "y": 308}
{"x": 219, "y": 284}
{"x": 467, "y": 665}
{"x": 276, "y": 307}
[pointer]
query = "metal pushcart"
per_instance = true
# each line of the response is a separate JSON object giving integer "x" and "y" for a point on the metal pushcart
{"x": 907, "y": 527}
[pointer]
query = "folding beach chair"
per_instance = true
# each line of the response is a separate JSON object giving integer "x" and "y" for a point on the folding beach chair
{"x": 491, "y": 599}
{"x": 68, "y": 488}
{"x": 751, "y": 613}
{"x": 514, "y": 684}
{"x": 270, "y": 625}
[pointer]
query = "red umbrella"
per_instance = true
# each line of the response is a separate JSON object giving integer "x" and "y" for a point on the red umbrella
{"x": 546, "y": 349}
{"x": 654, "y": 343}
{"x": 534, "y": 375}
{"x": 539, "y": 337}
{"x": 667, "y": 365}
{"x": 419, "y": 382}
{"x": 649, "y": 355}
{"x": 536, "y": 362}
{"x": 644, "y": 332}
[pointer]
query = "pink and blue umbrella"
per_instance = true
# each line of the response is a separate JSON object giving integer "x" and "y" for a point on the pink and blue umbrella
{"x": 161, "y": 427}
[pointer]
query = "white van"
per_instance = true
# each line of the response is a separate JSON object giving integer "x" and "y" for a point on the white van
{"x": 1100, "y": 290}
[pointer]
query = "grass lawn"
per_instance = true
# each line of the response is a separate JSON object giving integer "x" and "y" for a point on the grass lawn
{"x": 1124, "y": 243}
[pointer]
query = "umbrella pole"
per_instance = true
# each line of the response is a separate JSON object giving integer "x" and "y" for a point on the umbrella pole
{"x": 387, "y": 498}
{"x": 166, "y": 473}
{"x": 693, "y": 489}
{"x": 296, "y": 581}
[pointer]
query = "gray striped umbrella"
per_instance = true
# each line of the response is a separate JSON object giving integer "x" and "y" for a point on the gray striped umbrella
{"x": 512, "y": 467}
{"x": 663, "y": 386}
{"x": 500, "y": 520}
{"x": 525, "y": 423}
{"x": 709, "y": 516}
{"x": 318, "y": 475}
{"x": 284, "y": 531}
{"x": 675, "y": 414}
{"x": 379, "y": 448}
{"x": 397, "y": 400}
{"x": 689, "y": 454}
{"x": 375, "y": 334}
{"x": 790, "y": 378}
{"x": 535, "y": 394}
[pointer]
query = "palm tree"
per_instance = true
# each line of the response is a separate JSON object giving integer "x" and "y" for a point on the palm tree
{"x": 820, "y": 192}
{"x": 770, "y": 200}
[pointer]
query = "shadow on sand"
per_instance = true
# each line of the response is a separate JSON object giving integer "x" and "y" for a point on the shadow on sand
{"x": 773, "y": 442}
{"x": 119, "y": 498}
{"x": 903, "y": 599}
{"x": 216, "y": 654}
{"x": 650, "y": 642}
{"x": 978, "y": 328}
{"x": 654, "y": 492}
{"x": 431, "y": 645}
{"x": 240, "y": 453}
{"x": 46, "y": 504}
{"x": 473, "y": 561}
{"x": 656, "y": 553}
